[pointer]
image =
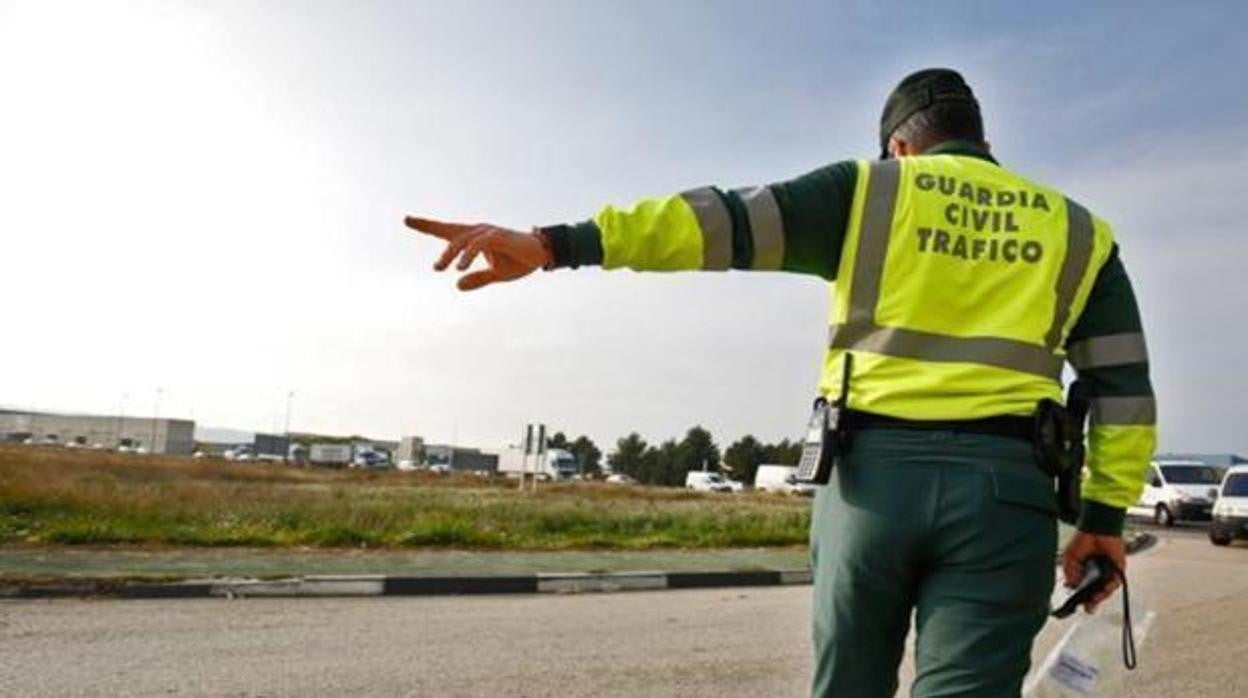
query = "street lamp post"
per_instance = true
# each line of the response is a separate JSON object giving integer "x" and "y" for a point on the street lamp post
{"x": 290, "y": 400}
{"x": 155, "y": 419}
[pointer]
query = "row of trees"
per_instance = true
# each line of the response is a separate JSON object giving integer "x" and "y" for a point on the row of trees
{"x": 667, "y": 462}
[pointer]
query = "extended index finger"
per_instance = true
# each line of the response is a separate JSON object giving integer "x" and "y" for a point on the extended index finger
{"x": 442, "y": 229}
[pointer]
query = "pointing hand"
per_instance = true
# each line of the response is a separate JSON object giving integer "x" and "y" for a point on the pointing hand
{"x": 510, "y": 254}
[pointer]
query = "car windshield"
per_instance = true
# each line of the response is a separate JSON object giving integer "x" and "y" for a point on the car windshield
{"x": 1236, "y": 486}
{"x": 1191, "y": 474}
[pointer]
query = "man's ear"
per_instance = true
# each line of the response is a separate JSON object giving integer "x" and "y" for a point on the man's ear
{"x": 898, "y": 148}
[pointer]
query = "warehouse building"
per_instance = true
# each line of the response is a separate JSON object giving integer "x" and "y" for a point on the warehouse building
{"x": 411, "y": 450}
{"x": 156, "y": 435}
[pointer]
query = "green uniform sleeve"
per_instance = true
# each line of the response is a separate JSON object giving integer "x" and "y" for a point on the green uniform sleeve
{"x": 796, "y": 226}
{"x": 1107, "y": 349}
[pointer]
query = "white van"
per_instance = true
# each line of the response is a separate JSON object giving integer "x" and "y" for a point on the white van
{"x": 1179, "y": 491}
{"x": 781, "y": 478}
{"x": 703, "y": 481}
{"x": 1230, "y": 513}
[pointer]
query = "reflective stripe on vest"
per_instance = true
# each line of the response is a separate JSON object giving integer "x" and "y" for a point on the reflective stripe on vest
{"x": 1078, "y": 252}
{"x": 716, "y": 225}
{"x": 860, "y": 331}
{"x": 1107, "y": 411}
{"x": 1110, "y": 350}
{"x": 766, "y": 226}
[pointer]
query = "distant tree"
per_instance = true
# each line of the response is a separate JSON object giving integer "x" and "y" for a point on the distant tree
{"x": 651, "y": 466}
{"x": 784, "y": 453}
{"x": 697, "y": 451}
{"x": 588, "y": 456}
{"x": 629, "y": 456}
{"x": 558, "y": 440}
{"x": 664, "y": 465}
{"x": 743, "y": 458}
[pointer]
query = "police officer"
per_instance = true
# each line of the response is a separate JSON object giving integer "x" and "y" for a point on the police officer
{"x": 960, "y": 289}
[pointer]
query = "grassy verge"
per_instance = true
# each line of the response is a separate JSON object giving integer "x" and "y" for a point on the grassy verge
{"x": 51, "y": 496}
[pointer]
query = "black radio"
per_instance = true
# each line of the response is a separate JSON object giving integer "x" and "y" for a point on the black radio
{"x": 826, "y": 437}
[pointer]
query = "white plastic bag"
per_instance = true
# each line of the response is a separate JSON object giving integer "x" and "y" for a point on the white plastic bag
{"x": 1089, "y": 660}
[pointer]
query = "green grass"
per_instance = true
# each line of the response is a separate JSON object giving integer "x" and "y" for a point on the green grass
{"x": 52, "y": 496}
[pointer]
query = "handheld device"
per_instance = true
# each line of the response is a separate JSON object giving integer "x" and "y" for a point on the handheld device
{"x": 825, "y": 438}
{"x": 818, "y": 448}
{"x": 1097, "y": 571}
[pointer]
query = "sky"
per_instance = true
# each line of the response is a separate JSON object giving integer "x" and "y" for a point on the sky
{"x": 201, "y": 204}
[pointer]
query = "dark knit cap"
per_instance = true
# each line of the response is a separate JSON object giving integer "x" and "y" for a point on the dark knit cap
{"x": 917, "y": 92}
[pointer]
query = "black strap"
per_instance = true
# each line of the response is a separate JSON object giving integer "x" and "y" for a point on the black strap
{"x": 1020, "y": 428}
{"x": 1128, "y": 630}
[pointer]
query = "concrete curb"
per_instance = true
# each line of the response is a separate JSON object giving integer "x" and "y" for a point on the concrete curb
{"x": 321, "y": 586}
{"x": 377, "y": 585}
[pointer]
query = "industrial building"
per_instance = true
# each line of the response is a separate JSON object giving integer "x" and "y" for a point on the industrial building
{"x": 411, "y": 449}
{"x": 154, "y": 434}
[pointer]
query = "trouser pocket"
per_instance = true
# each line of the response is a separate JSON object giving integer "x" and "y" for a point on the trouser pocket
{"x": 1030, "y": 490}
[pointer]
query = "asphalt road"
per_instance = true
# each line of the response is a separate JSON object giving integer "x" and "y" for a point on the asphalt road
{"x": 736, "y": 642}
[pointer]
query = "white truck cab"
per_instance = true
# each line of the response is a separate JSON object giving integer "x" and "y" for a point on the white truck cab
{"x": 703, "y": 481}
{"x": 1230, "y": 512}
{"x": 1179, "y": 491}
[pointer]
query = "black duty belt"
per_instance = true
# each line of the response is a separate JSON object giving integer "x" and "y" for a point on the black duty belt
{"x": 1011, "y": 427}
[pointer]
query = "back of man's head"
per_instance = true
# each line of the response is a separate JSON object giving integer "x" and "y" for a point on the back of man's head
{"x": 928, "y": 107}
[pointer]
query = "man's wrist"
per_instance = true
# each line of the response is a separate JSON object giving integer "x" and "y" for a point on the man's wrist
{"x": 549, "y": 258}
{"x": 1101, "y": 519}
{"x": 575, "y": 245}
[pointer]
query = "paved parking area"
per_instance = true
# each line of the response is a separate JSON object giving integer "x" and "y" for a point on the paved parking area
{"x": 731, "y": 642}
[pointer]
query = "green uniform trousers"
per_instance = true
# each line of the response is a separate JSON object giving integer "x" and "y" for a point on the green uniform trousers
{"x": 958, "y": 530}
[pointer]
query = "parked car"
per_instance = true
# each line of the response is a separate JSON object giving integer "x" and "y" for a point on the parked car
{"x": 1230, "y": 513}
{"x": 241, "y": 453}
{"x": 703, "y": 481}
{"x": 370, "y": 459}
{"x": 620, "y": 479}
{"x": 782, "y": 479}
{"x": 1179, "y": 491}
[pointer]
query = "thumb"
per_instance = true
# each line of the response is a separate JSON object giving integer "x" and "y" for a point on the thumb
{"x": 477, "y": 279}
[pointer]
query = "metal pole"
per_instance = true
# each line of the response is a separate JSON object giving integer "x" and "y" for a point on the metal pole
{"x": 155, "y": 419}
{"x": 121, "y": 419}
{"x": 524, "y": 468}
{"x": 290, "y": 398}
{"x": 539, "y": 463}
{"x": 524, "y": 459}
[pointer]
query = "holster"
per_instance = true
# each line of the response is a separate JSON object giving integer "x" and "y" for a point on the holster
{"x": 1059, "y": 447}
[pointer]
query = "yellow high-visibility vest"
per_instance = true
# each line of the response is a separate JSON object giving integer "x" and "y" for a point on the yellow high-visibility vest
{"x": 958, "y": 285}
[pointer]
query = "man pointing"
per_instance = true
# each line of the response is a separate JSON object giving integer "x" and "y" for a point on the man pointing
{"x": 960, "y": 290}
